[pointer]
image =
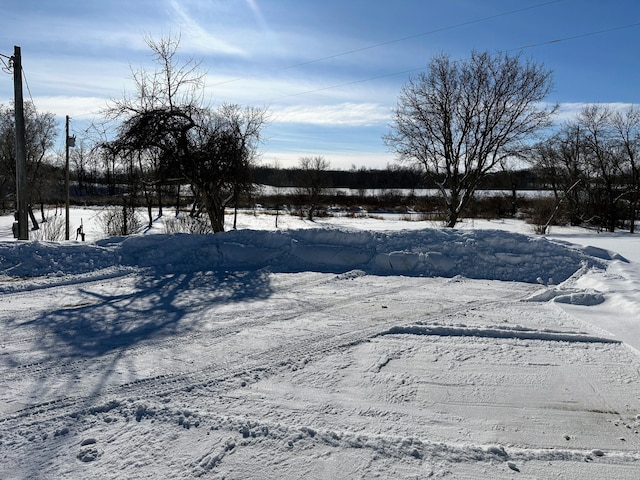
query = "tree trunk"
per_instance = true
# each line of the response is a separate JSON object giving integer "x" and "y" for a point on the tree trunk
{"x": 452, "y": 218}
{"x": 125, "y": 220}
{"x": 159, "y": 194}
{"x": 177, "y": 199}
{"x": 235, "y": 216}
{"x": 33, "y": 218}
{"x": 215, "y": 212}
{"x": 235, "y": 210}
{"x": 612, "y": 213}
{"x": 149, "y": 200}
{"x": 150, "y": 213}
{"x": 451, "y": 199}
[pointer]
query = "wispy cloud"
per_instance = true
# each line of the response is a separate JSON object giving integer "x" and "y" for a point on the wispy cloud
{"x": 569, "y": 110}
{"x": 343, "y": 114}
{"x": 195, "y": 38}
{"x": 85, "y": 108}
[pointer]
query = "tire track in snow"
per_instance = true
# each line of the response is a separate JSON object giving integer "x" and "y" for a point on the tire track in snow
{"x": 213, "y": 376}
{"x": 23, "y": 294}
{"x": 395, "y": 446}
{"x": 239, "y": 324}
{"x": 26, "y": 286}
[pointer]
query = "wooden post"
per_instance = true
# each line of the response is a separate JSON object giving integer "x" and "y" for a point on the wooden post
{"x": 66, "y": 180}
{"x": 22, "y": 195}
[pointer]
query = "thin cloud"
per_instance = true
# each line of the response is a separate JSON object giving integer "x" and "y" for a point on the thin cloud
{"x": 570, "y": 110}
{"x": 198, "y": 39}
{"x": 75, "y": 107}
{"x": 343, "y": 114}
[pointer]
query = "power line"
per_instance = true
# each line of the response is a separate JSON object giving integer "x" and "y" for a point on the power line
{"x": 33, "y": 103}
{"x": 573, "y": 37}
{"x": 390, "y": 42}
{"x": 354, "y": 82}
{"x": 6, "y": 61}
{"x": 24, "y": 75}
{"x": 534, "y": 45}
{"x": 8, "y": 68}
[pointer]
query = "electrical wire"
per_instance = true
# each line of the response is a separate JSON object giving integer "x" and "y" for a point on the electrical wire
{"x": 8, "y": 68}
{"x": 6, "y": 65}
{"x": 573, "y": 37}
{"x": 524, "y": 47}
{"x": 390, "y": 42}
{"x": 24, "y": 76}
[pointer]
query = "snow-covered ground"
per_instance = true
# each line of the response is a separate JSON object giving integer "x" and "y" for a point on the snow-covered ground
{"x": 343, "y": 348}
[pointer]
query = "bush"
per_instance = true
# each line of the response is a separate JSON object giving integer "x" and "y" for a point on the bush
{"x": 52, "y": 230}
{"x": 118, "y": 221}
{"x": 187, "y": 224}
{"x": 544, "y": 210}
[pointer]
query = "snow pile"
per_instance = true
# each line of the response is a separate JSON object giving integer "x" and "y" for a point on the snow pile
{"x": 34, "y": 259}
{"x": 331, "y": 349}
{"x": 476, "y": 254}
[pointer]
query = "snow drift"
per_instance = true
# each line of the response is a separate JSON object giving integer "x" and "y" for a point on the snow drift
{"x": 476, "y": 254}
{"x": 330, "y": 352}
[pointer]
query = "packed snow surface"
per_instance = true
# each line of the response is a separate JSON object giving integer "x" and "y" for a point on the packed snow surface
{"x": 343, "y": 348}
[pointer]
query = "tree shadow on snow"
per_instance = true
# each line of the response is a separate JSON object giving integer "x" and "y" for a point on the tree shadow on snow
{"x": 157, "y": 307}
{"x": 112, "y": 321}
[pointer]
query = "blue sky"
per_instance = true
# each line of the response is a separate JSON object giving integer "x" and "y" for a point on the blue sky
{"x": 329, "y": 71}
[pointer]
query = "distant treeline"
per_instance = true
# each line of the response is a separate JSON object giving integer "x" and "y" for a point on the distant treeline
{"x": 391, "y": 178}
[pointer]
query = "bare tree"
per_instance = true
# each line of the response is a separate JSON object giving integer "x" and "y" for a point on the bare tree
{"x": 40, "y": 131}
{"x": 602, "y": 162}
{"x": 313, "y": 181}
{"x": 104, "y": 156}
{"x": 211, "y": 149}
{"x": 84, "y": 164}
{"x": 593, "y": 165}
{"x": 560, "y": 163}
{"x": 461, "y": 119}
{"x": 173, "y": 86}
{"x": 7, "y": 153}
{"x": 219, "y": 154}
{"x": 626, "y": 126}
{"x": 277, "y": 186}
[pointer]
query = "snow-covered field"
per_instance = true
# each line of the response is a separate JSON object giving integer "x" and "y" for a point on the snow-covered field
{"x": 345, "y": 348}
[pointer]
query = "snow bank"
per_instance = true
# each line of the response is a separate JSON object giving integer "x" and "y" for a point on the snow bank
{"x": 477, "y": 254}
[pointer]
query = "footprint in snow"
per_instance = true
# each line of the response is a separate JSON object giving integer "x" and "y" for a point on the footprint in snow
{"x": 513, "y": 466}
{"x": 88, "y": 451}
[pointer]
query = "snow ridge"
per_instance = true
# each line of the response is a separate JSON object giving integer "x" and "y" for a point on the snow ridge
{"x": 477, "y": 254}
{"x": 515, "y": 332}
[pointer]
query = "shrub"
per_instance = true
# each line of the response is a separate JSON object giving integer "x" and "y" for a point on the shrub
{"x": 187, "y": 224}
{"x": 52, "y": 230}
{"x": 117, "y": 221}
{"x": 543, "y": 213}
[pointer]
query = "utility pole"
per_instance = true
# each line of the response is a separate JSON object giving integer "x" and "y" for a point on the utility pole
{"x": 21, "y": 156}
{"x": 69, "y": 142}
{"x": 66, "y": 181}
